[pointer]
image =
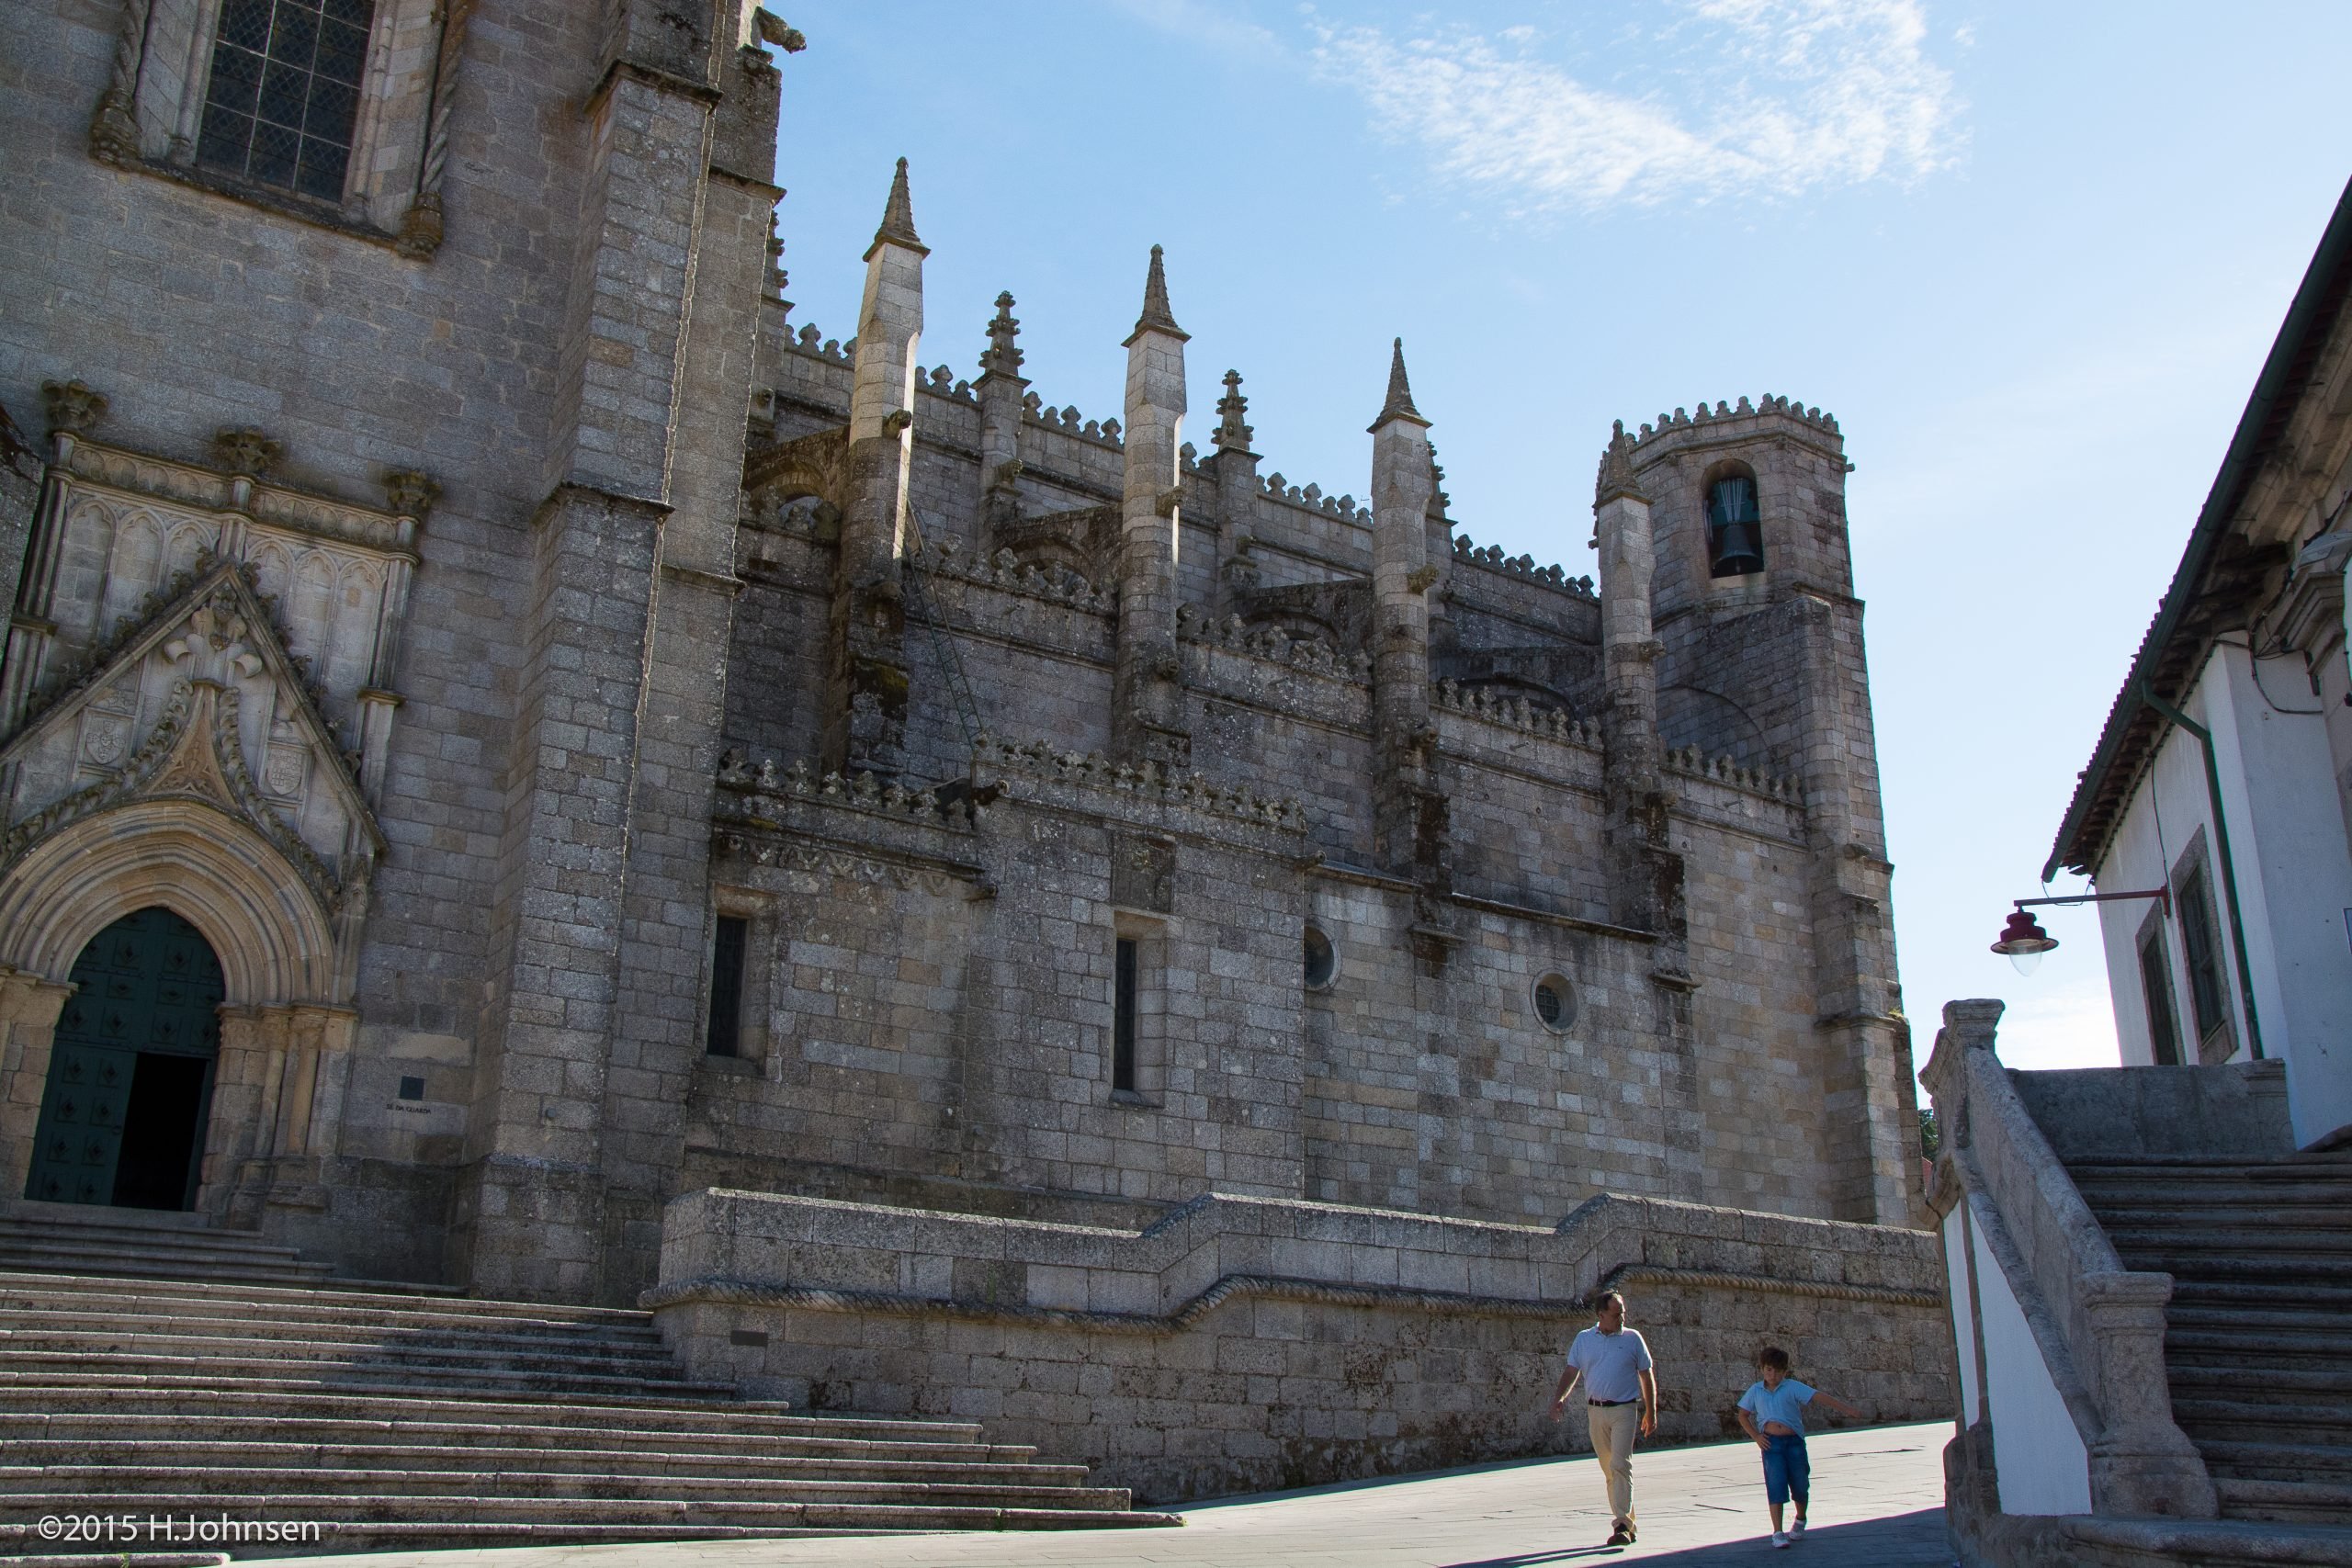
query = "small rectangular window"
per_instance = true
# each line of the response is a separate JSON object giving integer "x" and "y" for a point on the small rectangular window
{"x": 1122, "y": 1017}
{"x": 725, "y": 1037}
{"x": 2155, "y": 986}
{"x": 2208, "y": 992}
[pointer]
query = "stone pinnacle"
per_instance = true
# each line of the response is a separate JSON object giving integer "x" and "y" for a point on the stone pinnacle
{"x": 1616, "y": 476}
{"x": 898, "y": 216}
{"x": 1157, "y": 316}
{"x": 1400, "y": 392}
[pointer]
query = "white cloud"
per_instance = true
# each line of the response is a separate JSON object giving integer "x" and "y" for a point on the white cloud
{"x": 1771, "y": 96}
{"x": 2068, "y": 1027}
{"x": 1201, "y": 21}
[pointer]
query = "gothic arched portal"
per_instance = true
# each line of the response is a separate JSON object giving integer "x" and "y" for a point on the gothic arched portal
{"x": 123, "y": 1113}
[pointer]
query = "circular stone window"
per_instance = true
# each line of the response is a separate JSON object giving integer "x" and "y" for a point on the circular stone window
{"x": 1555, "y": 1002}
{"x": 1322, "y": 960}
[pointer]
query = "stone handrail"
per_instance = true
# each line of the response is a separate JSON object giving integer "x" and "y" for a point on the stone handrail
{"x": 2110, "y": 1319}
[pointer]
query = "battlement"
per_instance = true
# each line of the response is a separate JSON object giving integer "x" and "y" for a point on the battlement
{"x": 1727, "y": 421}
{"x": 1018, "y": 768}
{"x": 1513, "y": 712}
{"x": 1468, "y": 553}
{"x": 748, "y": 783}
{"x": 1694, "y": 764}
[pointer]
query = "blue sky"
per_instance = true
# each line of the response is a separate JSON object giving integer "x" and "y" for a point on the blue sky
{"x": 2030, "y": 256}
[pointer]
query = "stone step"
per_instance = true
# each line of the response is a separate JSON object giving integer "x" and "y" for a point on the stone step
{"x": 335, "y": 1296}
{"x": 67, "y": 1368}
{"x": 448, "y": 1511}
{"x": 2190, "y": 1166}
{"x": 2146, "y": 1542}
{"x": 454, "y": 1349}
{"x": 17, "y": 1231}
{"x": 2247, "y": 1265}
{"x": 2277, "y": 1385}
{"x": 325, "y": 1314}
{"x": 2287, "y": 1502}
{"x": 158, "y": 1263}
{"x": 2217, "y": 1317}
{"x": 95, "y": 1394}
{"x": 2220, "y": 1295}
{"x": 448, "y": 1367}
{"x": 2198, "y": 1252}
{"x": 687, "y": 1465}
{"x": 2326, "y": 1463}
{"x": 27, "y": 1326}
{"x": 2251, "y": 1347}
{"x": 2206, "y": 1418}
{"x": 2296, "y": 1213}
{"x": 286, "y": 1484}
{"x": 497, "y": 1439}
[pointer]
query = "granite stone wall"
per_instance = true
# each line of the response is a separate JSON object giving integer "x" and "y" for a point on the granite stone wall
{"x": 1242, "y": 1344}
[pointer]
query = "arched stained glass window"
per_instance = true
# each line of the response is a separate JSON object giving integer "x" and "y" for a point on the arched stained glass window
{"x": 284, "y": 93}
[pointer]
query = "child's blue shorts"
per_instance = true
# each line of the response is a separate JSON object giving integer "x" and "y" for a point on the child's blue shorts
{"x": 1788, "y": 1471}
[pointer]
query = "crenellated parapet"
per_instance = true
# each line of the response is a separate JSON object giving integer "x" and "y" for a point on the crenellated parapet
{"x": 1511, "y": 711}
{"x": 1691, "y": 762}
{"x": 1490, "y": 558}
{"x": 1143, "y": 794}
{"x": 1719, "y": 419}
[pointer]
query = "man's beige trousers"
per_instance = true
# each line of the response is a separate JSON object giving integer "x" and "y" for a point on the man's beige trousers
{"x": 1613, "y": 1431}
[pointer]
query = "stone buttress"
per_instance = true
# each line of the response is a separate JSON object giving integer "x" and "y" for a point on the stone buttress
{"x": 617, "y": 704}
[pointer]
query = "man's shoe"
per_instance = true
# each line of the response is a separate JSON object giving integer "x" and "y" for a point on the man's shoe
{"x": 1620, "y": 1536}
{"x": 1779, "y": 1540}
{"x": 1796, "y": 1530}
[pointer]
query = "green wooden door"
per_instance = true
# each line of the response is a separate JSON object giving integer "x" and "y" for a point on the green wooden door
{"x": 134, "y": 1055}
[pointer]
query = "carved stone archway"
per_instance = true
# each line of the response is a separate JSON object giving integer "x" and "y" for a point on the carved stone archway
{"x": 287, "y": 1025}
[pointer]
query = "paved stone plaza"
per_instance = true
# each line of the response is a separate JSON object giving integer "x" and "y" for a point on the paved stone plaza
{"x": 1880, "y": 1505}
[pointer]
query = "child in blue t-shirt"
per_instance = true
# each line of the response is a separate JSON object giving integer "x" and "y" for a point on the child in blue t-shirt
{"x": 1772, "y": 1412}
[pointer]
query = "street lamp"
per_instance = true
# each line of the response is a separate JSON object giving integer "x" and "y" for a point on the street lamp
{"x": 2023, "y": 941}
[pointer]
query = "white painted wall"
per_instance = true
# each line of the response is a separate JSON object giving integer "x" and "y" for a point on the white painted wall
{"x": 2037, "y": 1454}
{"x": 1963, "y": 1310}
{"x": 2294, "y": 879}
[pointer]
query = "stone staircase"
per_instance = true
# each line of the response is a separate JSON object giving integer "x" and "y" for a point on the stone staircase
{"x": 151, "y": 1366}
{"x": 2259, "y": 1341}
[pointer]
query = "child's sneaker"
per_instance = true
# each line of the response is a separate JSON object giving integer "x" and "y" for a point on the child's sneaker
{"x": 1796, "y": 1530}
{"x": 1779, "y": 1540}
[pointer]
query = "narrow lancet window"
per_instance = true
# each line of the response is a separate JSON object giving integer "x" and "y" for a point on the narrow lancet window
{"x": 1122, "y": 1018}
{"x": 1734, "y": 528}
{"x": 725, "y": 1036}
{"x": 284, "y": 92}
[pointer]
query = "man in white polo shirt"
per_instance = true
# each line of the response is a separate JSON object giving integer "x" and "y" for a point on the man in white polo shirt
{"x": 1620, "y": 1396}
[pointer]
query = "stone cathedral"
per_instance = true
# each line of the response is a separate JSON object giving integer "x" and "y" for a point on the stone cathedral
{"x": 503, "y": 730}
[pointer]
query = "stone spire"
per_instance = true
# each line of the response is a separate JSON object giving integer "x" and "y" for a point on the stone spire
{"x": 1616, "y": 477}
{"x": 898, "y": 217}
{"x": 1157, "y": 316}
{"x": 1408, "y": 807}
{"x": 1148, "y": 696}
{"x": 999, "y": 392}
{"x": 1002, "y": 356}
{"x": 866, "y": 676}
{"x": 1400, "y": 392}
{"x": 1233, "y": 433}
